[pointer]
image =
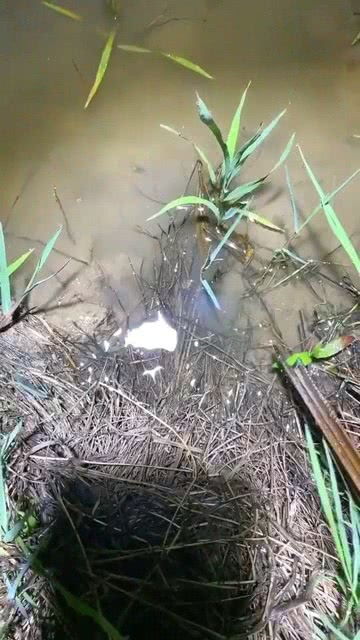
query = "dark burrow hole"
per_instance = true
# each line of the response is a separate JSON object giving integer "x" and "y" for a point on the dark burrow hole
{"x": 157, "y": 564}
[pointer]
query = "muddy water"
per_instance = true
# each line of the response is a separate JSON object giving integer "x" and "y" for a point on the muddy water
{"x": 110, "y": 163}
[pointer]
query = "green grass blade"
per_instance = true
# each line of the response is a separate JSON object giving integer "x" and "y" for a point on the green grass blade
{"x": 184, "y": 62}
{"x": 226, "y": 236}
{"x": 132, "y": 48}
{"x": 103, "y": 64}
{"x": 14, "y": 266}
{"x": 207, "y": 118}
{"x": 355, "y": 529}
{"x": 331, "y": 217}
{"x": 337, "y": 633}
{"x": 4, "y": 276}
{"x": 259, "y": 138}
{"x": 342, "y": 236}
{"x": 208, "y": 164}
{"x": 4, "y": 518}
{"x": 231, "y": 212}
{"x": 312, "y": 177}
{"x": 44, "y": 256}
{"x": 235, "y": 126}
{"x": 254, "y": 217}
{"x": 62, "y": 10}
{"x": 187, "y": 201}
{"x": 324, "y": 498}
{"x": 284, "y": 154}
{"x": 343, "y": 184}
{"x": 210, "y": 293}
{"x": 292, "y": 201}
{"x": 243, "y": 190}
{"x": 339, "y": 514}
{"x": 84, "y": 609}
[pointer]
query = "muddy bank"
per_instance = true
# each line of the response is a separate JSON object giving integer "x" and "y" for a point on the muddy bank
{"x": 175, "y": 484}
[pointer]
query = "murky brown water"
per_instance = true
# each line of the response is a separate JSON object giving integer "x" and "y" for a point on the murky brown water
{"x": 103, "y": 160}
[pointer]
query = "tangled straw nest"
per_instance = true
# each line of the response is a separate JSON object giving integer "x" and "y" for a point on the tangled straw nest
{"x": 182, "y": 503}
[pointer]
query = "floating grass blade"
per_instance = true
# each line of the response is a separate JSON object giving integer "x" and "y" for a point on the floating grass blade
{"x": 185, "y": 201}
{"x": 356, "y": 39}
{"x": 207, "y": 118}
{"x": 235, "y": 126}
{"x": 62, "y": 10}
{"x": 4, "y": 276}
{"x": 103, "y": 64}
{"x": 133, "y": 48}
{"x": 14, "y": 266}
{"x": 184, "y": 62}
{"x": 331, "y": 217}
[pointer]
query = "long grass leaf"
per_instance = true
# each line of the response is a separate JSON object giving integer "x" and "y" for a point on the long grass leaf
{"x": 324, "y": 496}
{"x": 207, "y": 118}
{"x": 132, "y": 48}
{"x": 44, "y": 257}
{"x": 103, "y": 64}
{"x": 312, "y": 177}
{"x": 250, "y": 148}
{"x": 84, "y": 609}
{"x": 355, "y": 530}
{"x": 4, "y": 518}
{"x": 208, "y": 164}
{"x": 235, "y": 125}
{"x": 185, "y": 201}
{"x": 339, "y": 514}
{"x": 328, "y": 198}
{"x": 184, "y": 62}
{"x": 337, "y": 633}
{"x": 254, "y": 217}
{"x": 14, "y": 266}
{"x": 243, "y": 190}
{"x": 292, "y": 201}
{"x": 331, "y": 217}
{"x": 284, "y": 154}
{"x": 62, "y": 10}
{"x": 226, "y": 237}
{"x": 342, "y": 236}
{"x": 342, "y": 185}
{"x": 4, "y": 276}
{"x": 210, "y": 293}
